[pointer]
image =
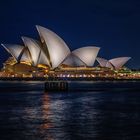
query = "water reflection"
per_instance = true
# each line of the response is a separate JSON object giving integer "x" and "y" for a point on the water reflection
{"x": 67, "y": 117}
{"x": 46, "y": 112}
{"x": 36, "y": 115}
{"x": 46, "y": 118}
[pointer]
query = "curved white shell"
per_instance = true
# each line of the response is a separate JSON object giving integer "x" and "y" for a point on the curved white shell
{"x": 73, "y": 60}
{"x": 14, "y": 49}
{"x": 55, "y": 46}
{"x": 87, "y": 54}
{"x": 102, "y": 61}
{"x": 119, "y": 62}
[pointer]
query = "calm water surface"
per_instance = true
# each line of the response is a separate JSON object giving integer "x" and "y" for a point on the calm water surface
{"x": 76, "y": 115}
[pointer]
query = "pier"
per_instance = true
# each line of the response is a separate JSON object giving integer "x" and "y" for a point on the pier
{"x": 56, "y": 86}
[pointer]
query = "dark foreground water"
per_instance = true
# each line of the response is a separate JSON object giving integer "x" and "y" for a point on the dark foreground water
{"x": 29, "y": 113}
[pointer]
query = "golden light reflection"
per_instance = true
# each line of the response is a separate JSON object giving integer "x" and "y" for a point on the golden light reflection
{"x": 46, "y": 118}
{"x": 46, "y": 112}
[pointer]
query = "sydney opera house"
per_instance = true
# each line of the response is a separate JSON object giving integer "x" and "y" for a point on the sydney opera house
{"x": 52, "y": 57}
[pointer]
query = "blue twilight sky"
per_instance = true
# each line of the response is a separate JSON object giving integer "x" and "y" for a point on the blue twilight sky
{"x": 113, "y": 25}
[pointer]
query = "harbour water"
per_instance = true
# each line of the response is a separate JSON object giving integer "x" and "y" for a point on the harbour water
{"x": 27, "y": 112}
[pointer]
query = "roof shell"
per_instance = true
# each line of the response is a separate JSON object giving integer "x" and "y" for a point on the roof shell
{"x": 115, "y": 63}
{"x": 56, "y": 49}
{"x": 33, "y": 47}
{"x": 102, "y": 61}
{"x": 14, "y": 49}
{"x": 87, "y": 54}
{"x": 119, "y": 62}
{"x": 73, "y": 60}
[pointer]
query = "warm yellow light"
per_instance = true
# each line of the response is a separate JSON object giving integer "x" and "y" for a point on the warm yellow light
{"x": 26, "y": 62}
{"x": 42, "y": 66}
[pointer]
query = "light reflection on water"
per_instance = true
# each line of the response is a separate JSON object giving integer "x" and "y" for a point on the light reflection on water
{"x": 35, "y": 115}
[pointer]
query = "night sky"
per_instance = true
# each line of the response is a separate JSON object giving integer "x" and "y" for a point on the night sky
{"x": 113, "y": 25}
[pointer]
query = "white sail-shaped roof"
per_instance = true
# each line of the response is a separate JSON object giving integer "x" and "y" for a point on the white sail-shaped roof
{"x": 35, "y": 50}
{"x": 110, "y": 65}
{"x": 119, "y": 62}
{"x": 56, "y": 49}
{"x": 73, "y": 60}
{"x": 14, "y": 49}
{"x": 102, "y": 61}
{"x": 87, "y": 54}
{"x": 42, "y": 58}
{"x": 114, "y": 63}
{"x": 26, "y": 55}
